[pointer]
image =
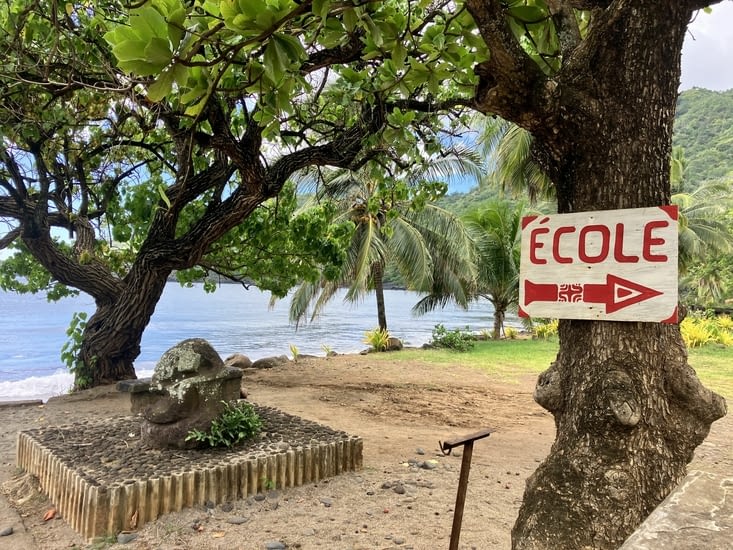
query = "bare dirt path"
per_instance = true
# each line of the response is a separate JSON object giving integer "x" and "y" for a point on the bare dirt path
{"x": 401, "y": 410}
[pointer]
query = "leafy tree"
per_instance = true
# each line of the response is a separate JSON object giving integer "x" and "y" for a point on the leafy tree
{"x": 495, "y": 230}
{"x": 249, "y": 92}
{"x": 162, "y": 128}
{"x": 595, "y": 84}
{"x": 395, "y": 223}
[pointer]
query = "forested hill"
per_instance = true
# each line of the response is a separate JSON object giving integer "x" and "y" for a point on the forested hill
{"x": 704, "y": 129}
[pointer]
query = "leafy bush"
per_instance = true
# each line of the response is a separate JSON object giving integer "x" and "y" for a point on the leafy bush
{"x": 725, "y": 322}
{"x": 511, "y": 333}
{"x": 378, "y": 339}
{"x": 695, "y": 332}
{"x": 237, "y": 422}
{"x": 700, "y": 329}
{"x": 546, "y": 328}
{"x": 457, "y": 339}
{"x": 71, "y": 348}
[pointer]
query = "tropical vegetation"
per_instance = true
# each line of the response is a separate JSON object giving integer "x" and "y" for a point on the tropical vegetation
{"x": 397, "y": 224}
{"x": 206, "y": 109}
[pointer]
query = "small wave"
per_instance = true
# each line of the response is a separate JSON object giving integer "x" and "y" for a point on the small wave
{"x": 37, "y": 387}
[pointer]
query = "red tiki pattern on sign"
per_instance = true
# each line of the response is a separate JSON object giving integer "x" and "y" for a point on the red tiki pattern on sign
{"x": 570, "y": 293}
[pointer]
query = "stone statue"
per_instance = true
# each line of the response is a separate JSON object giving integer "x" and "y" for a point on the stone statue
{"x": 190, "y": 383}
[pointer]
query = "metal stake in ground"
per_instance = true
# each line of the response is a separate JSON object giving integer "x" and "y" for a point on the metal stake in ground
{"x": 446, "y": 447}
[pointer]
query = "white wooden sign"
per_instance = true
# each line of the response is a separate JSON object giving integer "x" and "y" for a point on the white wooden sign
{"x": 610, "y": 265}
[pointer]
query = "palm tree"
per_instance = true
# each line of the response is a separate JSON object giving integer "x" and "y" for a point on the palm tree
{"x": 496, "y": 230}
{"x": 702, "y": 227}
{"x": 511, "y": 168}
{"x": 395, "y": 223}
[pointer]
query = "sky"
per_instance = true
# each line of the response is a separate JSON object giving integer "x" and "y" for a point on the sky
{"x": 707, "y": 55}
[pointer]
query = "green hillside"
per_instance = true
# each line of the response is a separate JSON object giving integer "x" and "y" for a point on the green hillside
{"x": 704, "y": 129}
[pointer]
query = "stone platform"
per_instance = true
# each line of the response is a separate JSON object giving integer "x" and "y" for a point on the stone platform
{"x": 104, "y": 480}
{"x": 698, "y": 514}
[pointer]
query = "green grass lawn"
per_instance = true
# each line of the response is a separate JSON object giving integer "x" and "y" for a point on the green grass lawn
{"x": 714, "y": 365}
{"x": 510, "y": 359}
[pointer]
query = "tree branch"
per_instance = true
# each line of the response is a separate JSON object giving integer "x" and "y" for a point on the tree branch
{"x": 9, "y": 238}
{"x": 509, "y": 81}
{"x": 566, "y": 25}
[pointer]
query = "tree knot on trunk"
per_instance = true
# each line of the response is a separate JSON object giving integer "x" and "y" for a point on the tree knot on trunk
{"x": 622, "y": 398}
{"x": 704, "y": 404}
{"x": 618, "y": 483}
{"x": 548, "y": 391}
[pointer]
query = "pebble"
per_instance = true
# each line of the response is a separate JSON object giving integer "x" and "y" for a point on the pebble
{"x": 429, "y": 465}
{"x": 420, "y": 451}
{"x": 327, "y": 502}
{"x": 275, "y": 545}
{"x": 399, "y": 489}
{"x": 259, "y": 497}
{"x": 227, "y": 507}
{"x": 126, "y": 538}
{"x": 237, "y": 520}
{"x": 398, "y": 540}
{"x": 5, "y": 532}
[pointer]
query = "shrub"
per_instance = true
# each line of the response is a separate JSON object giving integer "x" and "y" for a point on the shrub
{"x": 696, "y": 332}
{"x": 511, "y": 333}
{"x": 378, "y": 339}
{"x": 71, "y": 348}
{"x": 546, "y": 328}
{"x": 725, "y": 322}
{"x": 456, "y": 339}
{"x": 237, "y": 422}
{"x": 294, "y": 351}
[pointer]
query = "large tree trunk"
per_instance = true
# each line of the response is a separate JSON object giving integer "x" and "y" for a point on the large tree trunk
{"x": 629, "y": 410}
{"x": 112, "y": 336}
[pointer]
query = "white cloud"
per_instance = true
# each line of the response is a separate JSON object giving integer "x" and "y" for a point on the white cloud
{"x": 707, "y": 55}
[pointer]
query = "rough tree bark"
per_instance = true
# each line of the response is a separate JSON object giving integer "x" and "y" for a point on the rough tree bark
{"x": 629, "y": 410}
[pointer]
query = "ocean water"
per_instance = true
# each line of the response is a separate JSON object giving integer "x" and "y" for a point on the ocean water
{"x": 232, "y": 319}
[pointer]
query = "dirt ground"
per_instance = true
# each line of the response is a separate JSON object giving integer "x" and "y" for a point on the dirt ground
{"x": 404, "y": 496}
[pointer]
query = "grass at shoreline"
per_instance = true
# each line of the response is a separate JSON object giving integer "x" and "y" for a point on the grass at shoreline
{"x": 511, "y": 359}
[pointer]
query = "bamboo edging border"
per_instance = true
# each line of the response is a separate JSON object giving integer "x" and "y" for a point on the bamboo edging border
{"x": 98, "y": 509}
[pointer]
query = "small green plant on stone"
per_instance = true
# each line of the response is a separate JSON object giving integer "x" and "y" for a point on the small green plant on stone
{"x": 237, "y": 422}
{"x": 457, "y": 339}
{"x": 378, "y": 339}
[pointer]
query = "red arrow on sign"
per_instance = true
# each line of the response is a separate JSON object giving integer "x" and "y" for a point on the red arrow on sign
{"x": 616, "y": 293}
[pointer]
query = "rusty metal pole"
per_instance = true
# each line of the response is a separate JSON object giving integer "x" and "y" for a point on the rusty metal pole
{"x": 455, "y": 532}
{"x": 446, "y": 447}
